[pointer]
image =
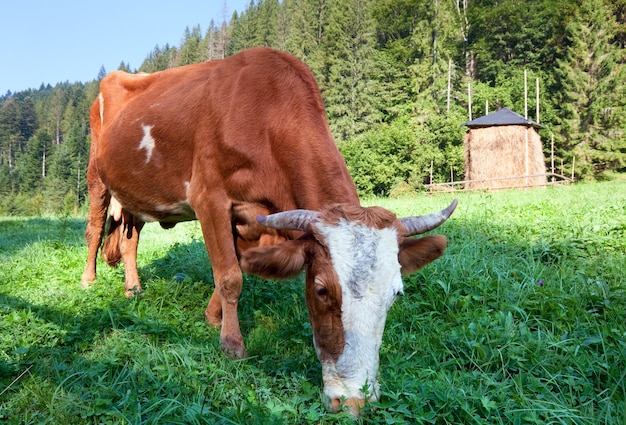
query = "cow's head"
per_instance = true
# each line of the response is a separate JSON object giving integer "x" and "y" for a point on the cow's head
{"x": 354, "y": 258}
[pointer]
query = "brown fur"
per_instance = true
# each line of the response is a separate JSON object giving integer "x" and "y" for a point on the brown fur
{"x": 234, "y": 138}
{"x": 416, "y": 253}
{"x": 376, "y": 217}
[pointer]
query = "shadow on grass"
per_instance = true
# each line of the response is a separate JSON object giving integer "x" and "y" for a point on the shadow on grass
{"x": 66, "y": 345}
{"x": 17, "y": 233}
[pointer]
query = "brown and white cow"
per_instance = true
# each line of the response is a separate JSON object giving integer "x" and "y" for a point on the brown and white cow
{"x": 242, "y": 145}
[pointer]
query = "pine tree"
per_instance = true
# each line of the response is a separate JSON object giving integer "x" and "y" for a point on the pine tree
{"x": 436, "y": 39}
{"x": 351, "y": 95}
{"x": 9, "y": 132}
{"x": 267, "y": 23}
{"x": 190, "y": 48}
{"x": 18, "y": 122}
{"x": 102, "y": 73}
{"x": 244, "y": 31}
{"x": 591, "y": 92}
{"x": 124, "y": 67}
{"x": 308, "y": 23}
{"x": 33, "y": 164}
{"x": 510, "y": 33}
{"x": 213, "y": 44}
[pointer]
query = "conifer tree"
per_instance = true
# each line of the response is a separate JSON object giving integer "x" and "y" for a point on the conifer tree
{"x": 244, "y": 33}
{"x": 33, "y": 164}
{"x": 591, "y": 92}
{"x": 190, "y": 48}
{"x": 352, "y": 101}
{"x": 267, "y": 23}
{"x": 306, "y": 34}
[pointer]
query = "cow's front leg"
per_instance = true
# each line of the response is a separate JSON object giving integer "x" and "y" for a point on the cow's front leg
{"x": 213, "y": 312}
{"x": 228, "y": 288}
{"x": 222, "y": 307}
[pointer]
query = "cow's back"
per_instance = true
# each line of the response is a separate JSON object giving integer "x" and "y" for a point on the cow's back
{"x": 273, "y": 143}
{"x": 250, "y": 129}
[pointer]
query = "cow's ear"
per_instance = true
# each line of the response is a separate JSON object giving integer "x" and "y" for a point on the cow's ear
{"x": 415, "y": 253}
{"x": 284, "y": 260}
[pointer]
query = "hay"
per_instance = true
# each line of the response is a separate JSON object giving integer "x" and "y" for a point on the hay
{"x": 500, "y": 152}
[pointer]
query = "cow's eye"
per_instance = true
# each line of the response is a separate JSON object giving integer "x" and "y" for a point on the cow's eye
{"x": 321, "y": 292}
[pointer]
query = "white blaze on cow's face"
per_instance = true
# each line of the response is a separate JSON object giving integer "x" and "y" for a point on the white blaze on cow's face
{"x": 365, "y": 260}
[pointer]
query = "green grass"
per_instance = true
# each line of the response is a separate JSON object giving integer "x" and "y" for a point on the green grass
{"x": 522, "y": 321}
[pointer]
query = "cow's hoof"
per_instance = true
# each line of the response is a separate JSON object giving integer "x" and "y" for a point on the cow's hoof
{"x": 132, "y": 292}
{"x": 233, "y": 348}
{"x": 86, "y": 284}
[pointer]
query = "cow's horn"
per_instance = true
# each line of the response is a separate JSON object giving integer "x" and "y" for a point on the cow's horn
{"x": 422, "y": 224}
{"x": 289, "y": 220}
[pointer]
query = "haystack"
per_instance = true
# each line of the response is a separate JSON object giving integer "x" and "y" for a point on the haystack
{"x": 499, "y": 148}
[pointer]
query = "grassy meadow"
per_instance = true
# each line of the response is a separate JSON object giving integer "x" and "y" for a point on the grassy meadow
{"x": 522, "y": 321}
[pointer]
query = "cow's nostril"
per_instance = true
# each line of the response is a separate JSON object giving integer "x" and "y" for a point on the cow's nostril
{"x": 335, "y": 403}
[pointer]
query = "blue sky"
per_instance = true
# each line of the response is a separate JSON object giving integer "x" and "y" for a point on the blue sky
{"x": 69, "y": 40}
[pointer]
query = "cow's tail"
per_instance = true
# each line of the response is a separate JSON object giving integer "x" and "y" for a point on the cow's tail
{"x": 111, "y": 252}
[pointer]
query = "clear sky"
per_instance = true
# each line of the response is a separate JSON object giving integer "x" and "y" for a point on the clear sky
{"x": 52, "y": 41}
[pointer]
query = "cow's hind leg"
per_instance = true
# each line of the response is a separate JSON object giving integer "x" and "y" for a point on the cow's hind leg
{"x": 120, "y": 245}
{"x": 99, "y": 199}
{"x": 128, "y": 248}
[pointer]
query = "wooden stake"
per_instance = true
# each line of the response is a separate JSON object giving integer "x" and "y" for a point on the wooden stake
{"x": 431, "y": 171}
{"x": 552, "y": 156}
{"x": 537, "y": 91}
{"x": 525, "y": 97}
{"x": 469, "y": 100}
{"x": 449, "y": 83}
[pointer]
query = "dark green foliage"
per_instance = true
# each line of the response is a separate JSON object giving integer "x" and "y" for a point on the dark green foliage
{"x": 400, "y": 154}
{"x": 593, "y": 98}
{"x": 378, "y": 63}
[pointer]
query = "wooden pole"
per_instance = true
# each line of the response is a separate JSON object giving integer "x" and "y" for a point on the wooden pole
{"x": 525, "y": 97}
{"x": 431, "y": 171}
{"x": 552, "y": 156}
{"x": 573, "y": 164}
{"x": 449, "y": 83}
{"x": 77, "y": 189}
{"x": 486, "y": 107}
{"x": 537, "y": 99}
{"x": 431, "y": 175}
{"x": 43, "y": 161}
{"x": 526, "y": 155}
{"x": 469, "y": 100}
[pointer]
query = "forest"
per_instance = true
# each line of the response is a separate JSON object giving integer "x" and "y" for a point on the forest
{"x": 398, "y": 78}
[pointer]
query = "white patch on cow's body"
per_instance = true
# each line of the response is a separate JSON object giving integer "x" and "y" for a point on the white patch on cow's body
{"x": 366, "y": 262}
{"x": 147, "y": 142}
